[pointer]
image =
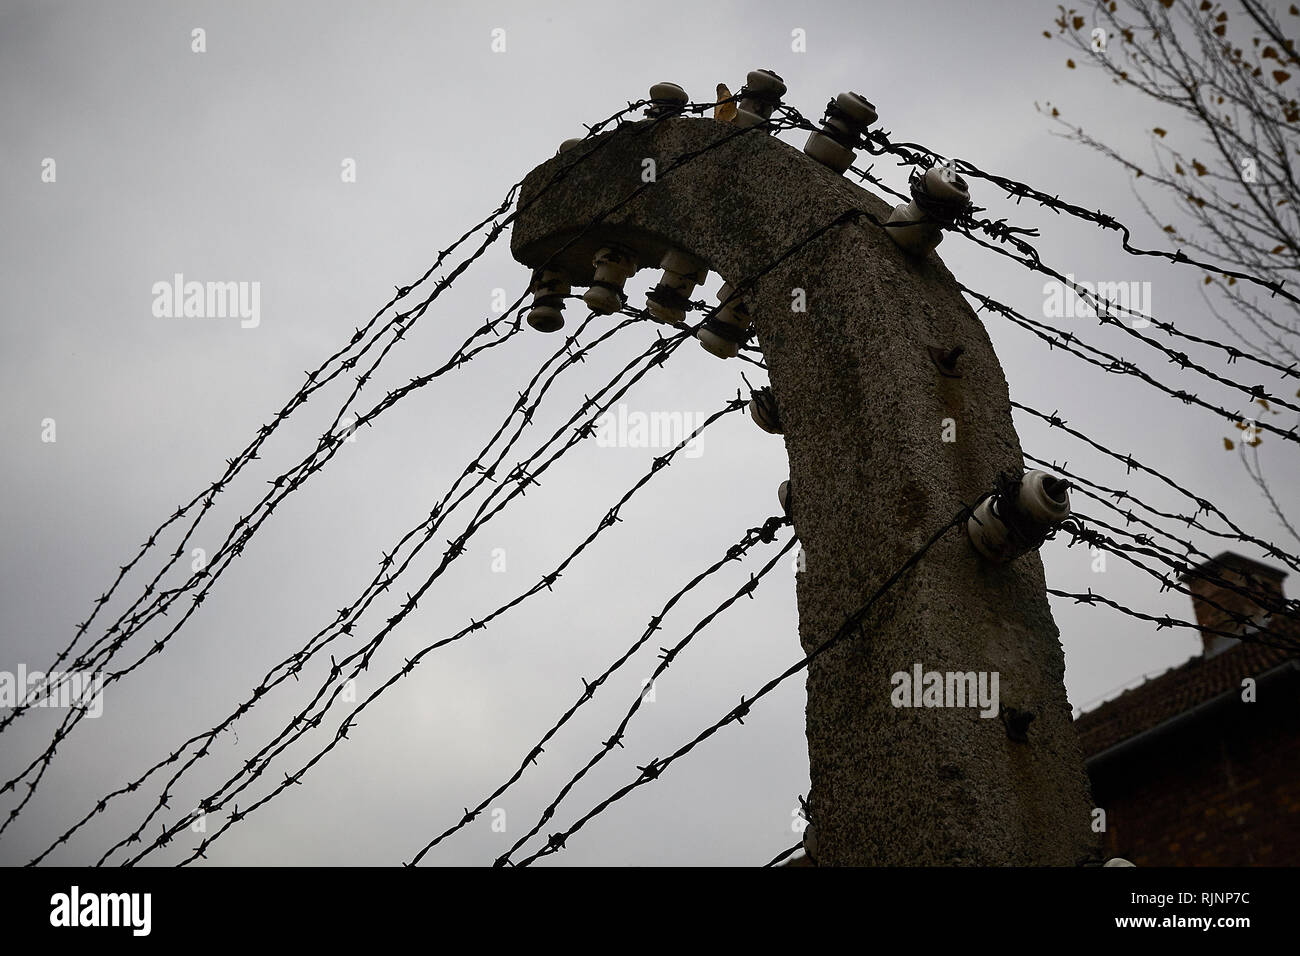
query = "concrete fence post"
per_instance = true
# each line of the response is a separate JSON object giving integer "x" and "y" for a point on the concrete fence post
{"x": 884, "y": 448}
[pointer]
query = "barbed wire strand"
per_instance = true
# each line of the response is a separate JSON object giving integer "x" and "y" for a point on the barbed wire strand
{"x": 682, "y": 160}
{"x": 1071, "y": 343}
{"x": 517, "y": 481}
{"x": 1130, "y": 463}
{"x": 847, "y": 216}
{"x": 667, "y": 656}
{"x": 349, "y": 617}
{"x": 654, "y": 768}
{"x": 1078, "y": 531}
{"x": 546, "y": 583}
{"x": 1252, "y": 588}
{"x": 764, "y": 533}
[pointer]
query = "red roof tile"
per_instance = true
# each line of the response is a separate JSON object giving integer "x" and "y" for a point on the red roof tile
{"x": 1172, "y": 693}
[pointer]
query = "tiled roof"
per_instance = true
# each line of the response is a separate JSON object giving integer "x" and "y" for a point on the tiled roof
{"x": 1172, "y": 693}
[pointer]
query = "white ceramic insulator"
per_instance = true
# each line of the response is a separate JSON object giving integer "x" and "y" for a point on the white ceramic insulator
{"x": 989, "y": 535}
{"x": 823, "y": 146}
{"x": 829, "y": 153}
{"x": 918, "y": 238}
{"x": 761, "y": 420}
{"x": 1043, "y": 501}
{"x": 810, "y": 842}
{"x": 615, "y": 267}
{"x": 681, "y": 273}
{"x": 666, "y": 97}
{"x": 943, "y": 183}
{"x": 733, "y": 313}
{"x": 1044, "y": 498}
{"x": 544, "y": 316}
{"x": 764, "y": 90}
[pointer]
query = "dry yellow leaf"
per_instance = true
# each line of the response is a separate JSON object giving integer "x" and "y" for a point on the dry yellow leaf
{"x": 724, "y": 112}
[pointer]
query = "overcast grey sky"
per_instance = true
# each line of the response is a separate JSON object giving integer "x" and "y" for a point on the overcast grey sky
{"x": 225, "y": 165}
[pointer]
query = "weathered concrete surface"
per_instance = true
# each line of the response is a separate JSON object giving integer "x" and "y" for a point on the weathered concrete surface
{"x": 863, "y": 408}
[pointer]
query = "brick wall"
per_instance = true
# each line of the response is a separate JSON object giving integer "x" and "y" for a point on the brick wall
{"x": 1222, "y": 789}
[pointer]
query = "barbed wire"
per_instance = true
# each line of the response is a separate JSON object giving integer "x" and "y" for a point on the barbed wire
{"x": 222, "y": 558}
{"x": 1078, "y": 531}
{"x": 546, "y": 583}
{"x": 349, "y": 617}
{"x": 654, "y": 768}
{"x": 667, "y": 656}
{"x": 1161, "y": 621}
{"x": 1252, "y": 588}
{"x": 877, "y": 143}
{"x": 289, "y": 481}
{"x": 1071, "y": 343}
{"x": 316, "y": 381}
{"x": 667, "y": 346}
{"x": 518, "y": 480}
{"x": 1103, "y": 308}
{"x": 1203, "y": 505}
{"x": 764, "y": 534}
{"x": 293, "y": 484}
